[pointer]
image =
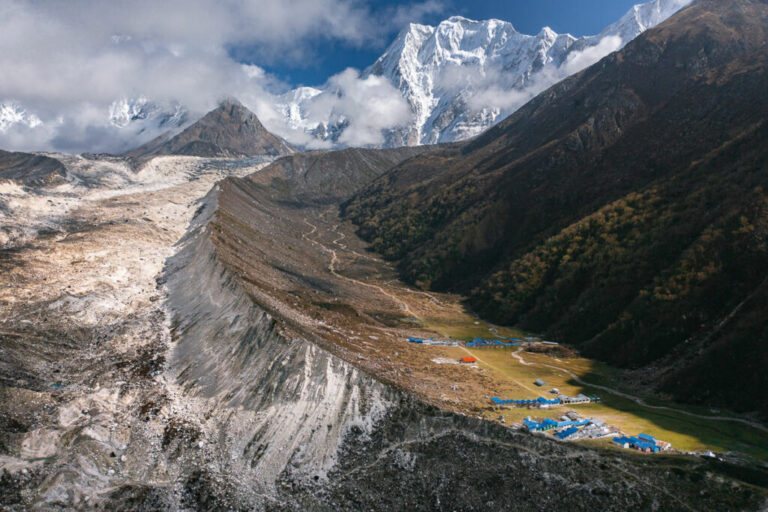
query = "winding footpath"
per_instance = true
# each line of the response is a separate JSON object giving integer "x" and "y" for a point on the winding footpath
{"x": 332, "y": 269}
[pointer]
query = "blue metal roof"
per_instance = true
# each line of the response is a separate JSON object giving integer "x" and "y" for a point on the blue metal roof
{"x": 479, "y": 342}
{"x": 538, "y": 401}
{"x": 637, "y": 442}
{"x": 567, "y": 433}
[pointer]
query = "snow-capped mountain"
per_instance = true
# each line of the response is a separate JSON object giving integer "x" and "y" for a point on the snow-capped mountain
{"x": 293, "y": 106}
{"x": 142, "y": 114}
{"x": 12, "y": 114}
{"x": 439, "y": 70}
{"x": 641, "y": 17}
{"x": 457, "y": 79}
{"x": 462, "y": 76}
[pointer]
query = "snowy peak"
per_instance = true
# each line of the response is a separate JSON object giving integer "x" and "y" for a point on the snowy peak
{"x": 433, "y": 84}
{"x": 403, "y": 50}
{"x": 641, "y": 17}
{"x": 458, "y": 78}
{"x": 125, "y": 111}
{"x": 463, "y": 75}
{"x": 461, "y": 37}
{"x": 138, "y": 111}
{"x": 12, "y": 114}
{"x": 293, "y": 107}
{"x": 456, "y": 39}
{"x": 438, "y": 69}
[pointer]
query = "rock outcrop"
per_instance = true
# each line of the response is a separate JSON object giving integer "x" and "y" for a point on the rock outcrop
{"x": 31, "y": 170}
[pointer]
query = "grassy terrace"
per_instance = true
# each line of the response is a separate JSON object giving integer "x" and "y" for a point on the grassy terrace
{"x": 512, "y": 378}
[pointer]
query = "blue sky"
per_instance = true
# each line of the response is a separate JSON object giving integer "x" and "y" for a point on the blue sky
{"x": 578, "y": 17}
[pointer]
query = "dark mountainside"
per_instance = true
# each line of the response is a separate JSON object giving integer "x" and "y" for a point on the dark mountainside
{"x": 624, "y": 210}
{"x": 329, "y": 177}
{"x": 31, "y": 170}
{"x": 231, "y": 130}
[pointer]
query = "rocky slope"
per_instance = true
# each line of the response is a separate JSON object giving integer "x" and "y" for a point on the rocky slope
{"x": 302, "y": 429}
{"x": 31, "y": 170}
{"x": 308, "y": 430}
{"x": 327, "y": 177}
{"x": 622, "y": 210}
{"x": 230, "y": 130}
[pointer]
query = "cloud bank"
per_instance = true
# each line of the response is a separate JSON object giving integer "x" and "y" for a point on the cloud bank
{"x": 368, "y": 105}
{"x": 65, "y": 64}
{"x": 490, "y": 95}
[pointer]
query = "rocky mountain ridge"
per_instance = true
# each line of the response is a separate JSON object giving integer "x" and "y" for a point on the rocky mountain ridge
{"x": 231, "y": 130}
{"x": 31, "y": 170}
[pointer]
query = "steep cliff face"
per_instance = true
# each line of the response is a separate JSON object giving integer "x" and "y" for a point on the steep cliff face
{"x": 281, "y": 403}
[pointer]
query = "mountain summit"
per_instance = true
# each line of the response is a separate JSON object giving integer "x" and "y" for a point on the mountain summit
{"x": 462, "y": 76}
{"x": 457, "y": 79}
{"x": 230, "y": 130}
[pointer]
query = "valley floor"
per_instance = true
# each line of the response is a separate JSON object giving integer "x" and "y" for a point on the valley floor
{"x": 89, "y": 411}
{"x": 315, "y": 271}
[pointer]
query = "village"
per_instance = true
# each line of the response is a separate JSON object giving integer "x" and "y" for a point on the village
{"x": 570, "y": 425}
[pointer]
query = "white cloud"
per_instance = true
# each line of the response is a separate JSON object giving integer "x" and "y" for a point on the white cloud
{"x": 490, "y": 95}
{"x": 67, "y": 62}
{"x": 368, "y": 105}
{"x": 578, "y": 61}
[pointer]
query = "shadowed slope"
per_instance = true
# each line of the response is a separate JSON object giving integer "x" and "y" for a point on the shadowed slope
{"x": 621, "y": 210}
{"x": 31, "y": 170}
{"x": 319, "y": 177}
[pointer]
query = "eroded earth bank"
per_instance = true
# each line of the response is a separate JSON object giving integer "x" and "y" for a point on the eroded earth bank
{"x": 172, "y": 342}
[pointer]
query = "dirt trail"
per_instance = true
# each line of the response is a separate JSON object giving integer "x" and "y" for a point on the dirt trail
{"x": 430, "y": 296}
{"x": 332, "y": 269}
{"x": 437, "y": 302}
{"x": 401, "y": 302}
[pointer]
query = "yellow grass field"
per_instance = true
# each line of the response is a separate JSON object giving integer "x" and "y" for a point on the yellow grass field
{"x": 513, "y": 371}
